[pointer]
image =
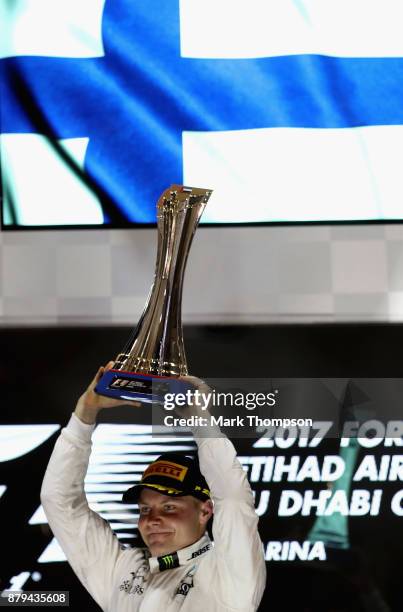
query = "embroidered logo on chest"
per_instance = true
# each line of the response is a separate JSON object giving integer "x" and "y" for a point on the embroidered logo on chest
{"x": 186, "y": 583}
{"x": 136, "y": 584}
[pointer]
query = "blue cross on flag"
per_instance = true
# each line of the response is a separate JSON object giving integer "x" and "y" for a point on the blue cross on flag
{"x": 291, "y": 110}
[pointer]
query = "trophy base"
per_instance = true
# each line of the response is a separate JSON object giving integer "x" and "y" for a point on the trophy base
{"x": 137, "y": 387}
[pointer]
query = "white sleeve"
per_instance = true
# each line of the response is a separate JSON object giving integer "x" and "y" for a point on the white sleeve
{"x": 237, "y": 545}
{"x": 88, "y": 542}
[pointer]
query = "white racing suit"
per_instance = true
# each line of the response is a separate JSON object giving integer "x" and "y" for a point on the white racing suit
{"x": 229, "y": 575}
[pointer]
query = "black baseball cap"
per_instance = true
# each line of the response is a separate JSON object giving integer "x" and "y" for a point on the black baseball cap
{"x": 171, "y": 474}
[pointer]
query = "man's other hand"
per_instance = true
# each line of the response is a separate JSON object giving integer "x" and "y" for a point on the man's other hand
{"x": 90, "y": 403}
{"x": 192, "y": 409}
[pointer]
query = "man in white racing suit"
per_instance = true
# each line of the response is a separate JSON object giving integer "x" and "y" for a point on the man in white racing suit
{"x": 181, "y": 569}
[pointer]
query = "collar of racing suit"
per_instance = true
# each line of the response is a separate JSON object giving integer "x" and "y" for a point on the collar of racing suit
{"x": 180, "y": 557}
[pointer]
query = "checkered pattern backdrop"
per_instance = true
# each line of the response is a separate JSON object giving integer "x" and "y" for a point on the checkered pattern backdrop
{"x": 255, "y": 274}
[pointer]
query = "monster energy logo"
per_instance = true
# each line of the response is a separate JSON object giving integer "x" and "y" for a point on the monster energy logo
{"x": 168, "y": 561}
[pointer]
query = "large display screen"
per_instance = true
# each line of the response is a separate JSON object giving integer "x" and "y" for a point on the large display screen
{"x": 324, "y": 506}
{"x": 290, "y": 111}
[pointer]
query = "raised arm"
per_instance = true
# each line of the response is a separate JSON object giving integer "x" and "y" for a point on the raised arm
{"x": 237, "y": 544}
{"x": 88, "y": 542}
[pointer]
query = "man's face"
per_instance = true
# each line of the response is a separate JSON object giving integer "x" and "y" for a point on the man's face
{"x": 170, "y": 523}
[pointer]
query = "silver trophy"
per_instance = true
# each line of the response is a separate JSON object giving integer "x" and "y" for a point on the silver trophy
{"x": 154, "y": 356}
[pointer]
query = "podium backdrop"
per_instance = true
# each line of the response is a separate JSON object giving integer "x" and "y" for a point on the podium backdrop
{"x": 43, "y": 371}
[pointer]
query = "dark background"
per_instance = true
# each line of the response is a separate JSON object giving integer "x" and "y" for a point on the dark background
{"x": 43, "y": 371}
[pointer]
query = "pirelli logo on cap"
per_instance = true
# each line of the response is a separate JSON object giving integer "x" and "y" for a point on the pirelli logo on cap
{"x": 166, "y": 468}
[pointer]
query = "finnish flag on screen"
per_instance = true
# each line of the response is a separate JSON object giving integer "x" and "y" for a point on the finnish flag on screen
{"x": 291, "y": 110}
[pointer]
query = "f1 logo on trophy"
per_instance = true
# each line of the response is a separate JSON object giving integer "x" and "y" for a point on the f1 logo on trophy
{"x": 154, "y": 357}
